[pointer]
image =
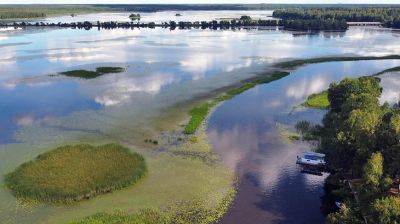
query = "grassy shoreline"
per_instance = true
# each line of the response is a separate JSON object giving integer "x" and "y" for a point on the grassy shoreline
{"x": 394, "y": 69}
{"x": 318, "y": 100}
{"x": 199, "y": 113}
{"x": 296, "y": 63}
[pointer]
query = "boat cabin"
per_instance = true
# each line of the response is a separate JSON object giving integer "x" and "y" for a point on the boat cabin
{"x": 311, "y": 159}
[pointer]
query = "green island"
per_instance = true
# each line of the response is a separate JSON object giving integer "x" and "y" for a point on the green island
{"x": 76, "y": 172}
{"x": 198, "y": 114}
{"x": 360, "y": 138}
{"x": 85, "y": 74}
{"x": 318, "y": 100}
{"x": 134, "y": 17}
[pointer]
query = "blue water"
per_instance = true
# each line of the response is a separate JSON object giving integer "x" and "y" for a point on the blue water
{"x": 246, "y": 132}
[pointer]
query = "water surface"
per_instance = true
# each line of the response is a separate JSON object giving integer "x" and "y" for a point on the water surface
{"x": 248, "y": 132}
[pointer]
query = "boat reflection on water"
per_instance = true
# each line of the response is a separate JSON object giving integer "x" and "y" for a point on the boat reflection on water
{"x": 312, "y": 163}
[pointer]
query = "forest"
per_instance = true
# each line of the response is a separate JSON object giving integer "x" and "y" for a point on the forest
{"x": 389, "y": 16}
{"x": 360, "y": 138}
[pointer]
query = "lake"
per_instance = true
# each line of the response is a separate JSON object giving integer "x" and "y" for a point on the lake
{"x": 166, "y": 72}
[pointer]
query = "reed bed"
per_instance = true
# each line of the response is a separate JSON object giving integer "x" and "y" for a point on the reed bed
{"x": 76, "y": 172}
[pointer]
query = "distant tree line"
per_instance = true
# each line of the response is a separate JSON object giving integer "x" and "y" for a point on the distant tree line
{"x": 223, "y": 24}
{"x": 386, "y": 15}
{"x": 315, "y": 24}
{"x": 172, "y": 24}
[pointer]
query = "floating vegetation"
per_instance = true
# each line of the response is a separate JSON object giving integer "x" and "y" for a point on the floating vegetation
{"x": 296, "y": 63}
{"x": 76, "y": 172}
{"x": 85, "y": 74}
{"x": 318, "y": 100}
{"x": 195, "y": 211}
{"x": 198, "y": 114}
{"x": 155, "y": 142}
{"x": 143, "y": 217}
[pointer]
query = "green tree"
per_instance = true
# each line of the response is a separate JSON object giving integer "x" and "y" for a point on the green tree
{"x": 395, "y": 123}
{"x": 386, "y": 210}
{"x": 338, "y": 94}
{"x": 344, "y": 216}
{"x": 373, "y": 170}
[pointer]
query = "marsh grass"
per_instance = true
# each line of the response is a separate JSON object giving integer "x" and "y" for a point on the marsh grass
{"x": 296, "y": 63}
{"x": 147, "y": 216}
{"x": 76, "y": 172}
{"x": 195, "y": 211}
{"x": 85, "y": 74}
{"x": 198, "y": 114}
{"x": 318, "y": 100}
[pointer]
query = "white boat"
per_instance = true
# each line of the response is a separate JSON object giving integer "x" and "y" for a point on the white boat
{"x": 311, "y": 159}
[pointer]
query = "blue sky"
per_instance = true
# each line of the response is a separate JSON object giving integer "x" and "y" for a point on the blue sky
{"x": 194, "y": 1}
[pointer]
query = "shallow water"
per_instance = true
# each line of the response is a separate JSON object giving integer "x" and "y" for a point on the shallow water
{"x": 165, "y": 71}
{"x": 247, "y": 132}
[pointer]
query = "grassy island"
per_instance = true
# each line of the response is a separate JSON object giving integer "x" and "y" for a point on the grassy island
{"x": 85, "y": 74}
{"x": 76, "y": 172}
{"x": 318, "y": 100}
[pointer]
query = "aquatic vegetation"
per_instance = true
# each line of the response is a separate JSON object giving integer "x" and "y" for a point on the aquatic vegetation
{"x": 196, "y": 211}
{"x": 93, "y": 74}
{"x": 146, "y": 216}
{"x": 296, "y": 63}
{"x": 76, "y": 172}
{"x": 318, "y": 100}
{"x": 198, "y": 114}
{"x": 209, "y": 188}
{"x": 155, "y": 142}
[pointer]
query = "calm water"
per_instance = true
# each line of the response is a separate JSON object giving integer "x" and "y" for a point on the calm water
{"x": 164, "y": 69}
{"x": 247, "y": 132}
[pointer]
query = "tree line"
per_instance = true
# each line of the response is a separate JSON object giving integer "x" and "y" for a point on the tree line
{"x": 389, "y": 16}
{"x": 245, "y": 21}
{"x": 361, "y": 140}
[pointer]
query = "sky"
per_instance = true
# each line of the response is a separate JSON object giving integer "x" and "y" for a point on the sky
{"x": 195, "y": 1}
